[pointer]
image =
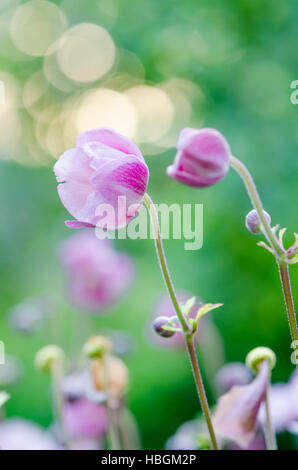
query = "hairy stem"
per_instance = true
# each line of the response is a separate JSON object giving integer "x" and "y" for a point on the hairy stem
{"x": 287, "y": 291}
{"x": 256, "y": 202}
{"x": 188, "y": 336}
{"x": 163, "y": 262}
{"x": 58, "y": 400}
{"x": 269, "y": 431}
{"x": 200, "y": 389}
{"x": 273, "y": 241}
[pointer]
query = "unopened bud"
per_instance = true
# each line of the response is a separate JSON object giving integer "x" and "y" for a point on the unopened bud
{"x": 96, "y": 346}
{"x": 158, "y": 325}
{"x": 255, "y": 357}
{"x": 253, "y": 222}
{"x": 47, "y": 356}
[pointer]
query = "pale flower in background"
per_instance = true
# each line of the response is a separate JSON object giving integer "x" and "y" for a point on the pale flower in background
{"x": 97, "y": 275}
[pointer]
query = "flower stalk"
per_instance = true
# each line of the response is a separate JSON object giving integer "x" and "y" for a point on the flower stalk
{"x": 58, "y": 400}
{"x": 269, "y": 431}
{"x": 287, "y": 291}
{"x": 279, "y": 252}
{"x": 112, "y": 434}
{"x": 186, "y": 329}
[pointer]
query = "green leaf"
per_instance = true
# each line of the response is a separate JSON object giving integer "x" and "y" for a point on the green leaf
{"x": 293, "y": 259}
{"x": 267, "y": 247}
{"x": 4, "y": 396}
{"x": 187, "y": 306}
{"x": 205, "y": 309}
{"x": 281, "y": 235}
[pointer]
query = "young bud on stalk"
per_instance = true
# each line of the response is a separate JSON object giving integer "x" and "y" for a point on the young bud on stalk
{"x": 158, "y": 325}
{"x": 47, "y": 356}
{"x": 255, "y": 357}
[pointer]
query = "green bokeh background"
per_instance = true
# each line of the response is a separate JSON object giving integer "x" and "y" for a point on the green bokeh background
{"x": 243, "y": 55}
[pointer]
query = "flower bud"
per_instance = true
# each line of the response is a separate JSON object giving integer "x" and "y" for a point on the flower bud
{"x": 158, "y": 324}
{"x": 47, "y": 356}
{"x": 110, "y": 375}
{"x": 253, "y": 222}
{"x": 202, "y": 159}
{"x": 255, "y": 357}
{"x": 96, "y": 346}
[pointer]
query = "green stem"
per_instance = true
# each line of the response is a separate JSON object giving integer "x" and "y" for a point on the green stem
{"x": 163, "y": 262}
{"x": 269, "y": 431}
{"x": 256, "y": 202}
{"x": 112, "y": 433}
{"x": 129, "y": 432}
{"x": 188, "y": 335}
{"x": 271, "y": 237}
{"x": 58, "y": 401}
{"x": 114, "y": 442}
{"x": 287, "y": 291}
{"x": 200, "y": 389}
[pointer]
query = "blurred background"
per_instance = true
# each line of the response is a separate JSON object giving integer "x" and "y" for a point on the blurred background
{"x": 147, "y": 69}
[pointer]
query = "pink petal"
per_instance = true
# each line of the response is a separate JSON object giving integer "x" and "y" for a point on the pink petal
{"x": 74, "y": 164}
{"x": 208, "y": 143}
{"x": 78, "y": 224}
{"x": 73, "y": 195}
{"x": 127, "y": 176}
{"x": 123, "y": 178}
{"x": 110, "y": 138}
{"x": 236, "y": 414}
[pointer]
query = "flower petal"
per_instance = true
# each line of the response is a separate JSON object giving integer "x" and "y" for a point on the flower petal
{"x": 122, "y": 185}
{"x": 74, "y": 164}
{"x": 78, "y": 224}
{"x": 236, "y": 413}
{"x": 110, "y": 138}
{"x": 73, "y": 195}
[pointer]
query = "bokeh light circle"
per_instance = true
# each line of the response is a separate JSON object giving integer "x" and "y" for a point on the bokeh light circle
{"x": 105, "y": 107}
{"x": 36, "y": 25}
{"x": 86, "y": 52}
{"x": 155, "y": 112}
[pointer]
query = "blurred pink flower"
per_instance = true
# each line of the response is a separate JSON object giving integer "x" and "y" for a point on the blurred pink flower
{"x": 31, "y": 314}
{"x": 164, "y": 308}
{"x": 283, "y": 405}
{"x": 19, "y": 434}
{"x": 234, "y": 373}
{"x": 236, "y": 414}
{"x": 186, "y": 438}
{"x": 257, "y": 443}
{"x": 97, "y": 275}
{"x": 103, "y": 167}
{"x": 83, "y": 418}
{"x": 202, "y": 158}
